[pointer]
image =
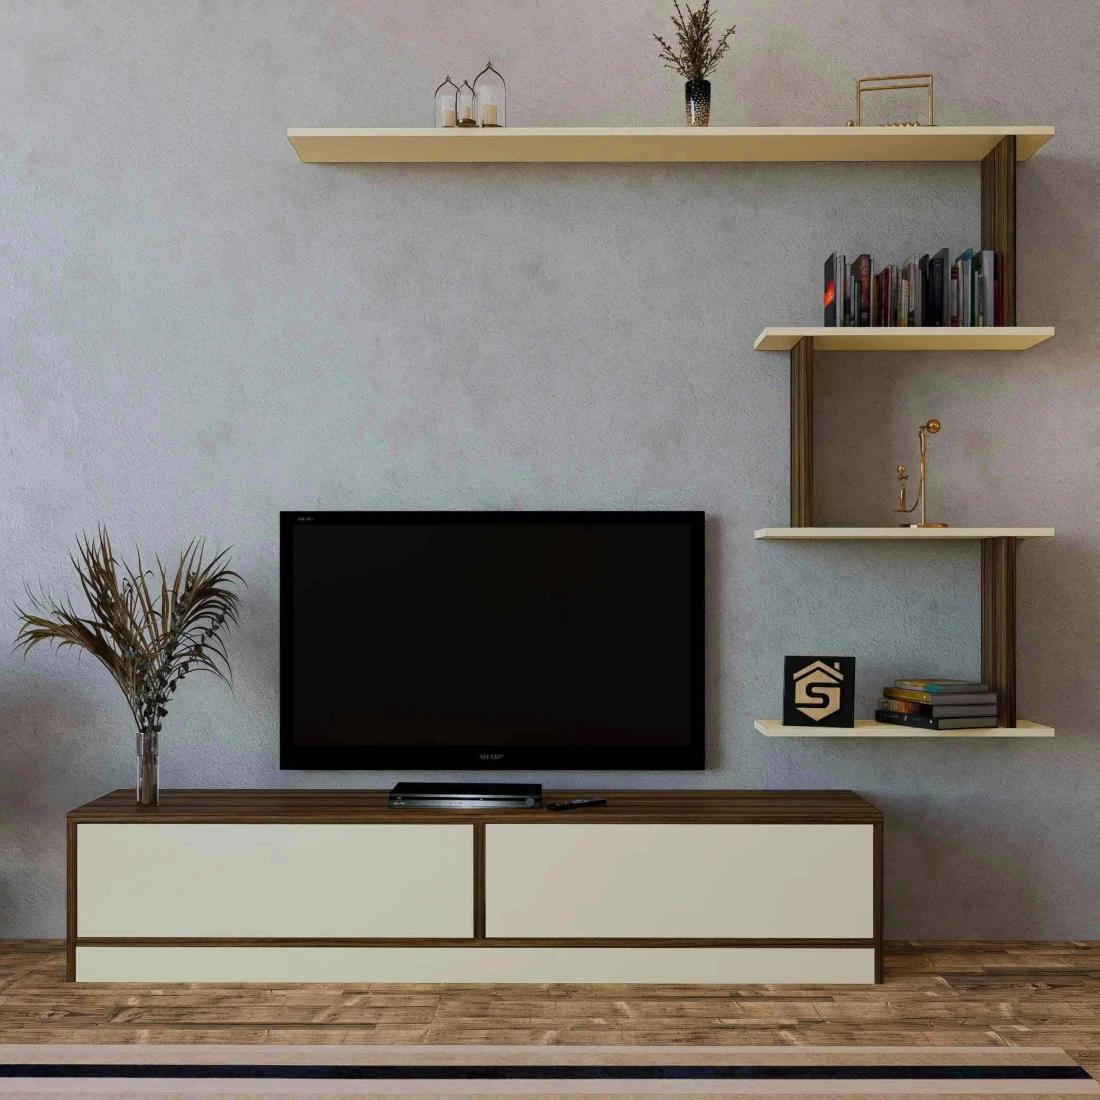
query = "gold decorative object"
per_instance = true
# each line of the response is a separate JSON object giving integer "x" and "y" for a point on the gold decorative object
{"x": 894, "y": 84}
{"x": 464, "y": 106}
{"x": 931, "y": 427}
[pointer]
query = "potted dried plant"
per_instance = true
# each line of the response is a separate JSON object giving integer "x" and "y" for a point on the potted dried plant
{"x": 149, "y": 635}
{"x": 697, "y": 54}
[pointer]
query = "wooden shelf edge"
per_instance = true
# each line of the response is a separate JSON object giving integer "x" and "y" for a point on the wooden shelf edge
{"x": 898, "y": 534}
{"x": 660, "y": 144}
{"x": 773, "y": 727}
{"x": 999, "y": 338}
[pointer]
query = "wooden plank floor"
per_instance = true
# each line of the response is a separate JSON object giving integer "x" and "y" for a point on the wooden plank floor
{"x": 935, "y": 994}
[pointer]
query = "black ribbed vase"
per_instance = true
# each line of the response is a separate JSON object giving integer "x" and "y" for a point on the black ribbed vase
{"x": 697, "y": 102}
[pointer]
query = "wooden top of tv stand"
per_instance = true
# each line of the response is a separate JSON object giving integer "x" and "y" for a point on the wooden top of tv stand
{"x": 346, "y": 806}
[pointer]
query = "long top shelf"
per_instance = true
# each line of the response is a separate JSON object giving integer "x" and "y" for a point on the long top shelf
{"x": 999, "y": 338}
{"x": 902, "y": 534}
{"x": 660, "y": 144}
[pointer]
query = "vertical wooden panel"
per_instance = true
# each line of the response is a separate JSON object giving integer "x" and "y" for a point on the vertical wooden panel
{"x": 70, "y": 901}
{"x": 479, "y": 880}
{"x": 878, "y": 886}
{"x": 999, "y": 218}
{"x": 802, "y": 433}
{"x": 999, "y": 624}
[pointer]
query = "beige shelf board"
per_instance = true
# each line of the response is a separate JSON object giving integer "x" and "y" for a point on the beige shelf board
{"x": 1000, "y": 338}
{"x": 773, "y": 727}
{"x": 900, "y": 534}
{"x": 659, "y": 144}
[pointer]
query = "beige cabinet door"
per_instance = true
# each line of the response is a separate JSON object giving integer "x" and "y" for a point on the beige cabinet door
{"x": 697, "y": 881}
{"x": 274, "y": 880}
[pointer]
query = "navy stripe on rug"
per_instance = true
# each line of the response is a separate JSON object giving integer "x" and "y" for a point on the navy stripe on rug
{"x": 553, "y": 1073}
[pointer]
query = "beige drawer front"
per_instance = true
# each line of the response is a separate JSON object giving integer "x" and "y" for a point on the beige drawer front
{"x": 275, "y": 880}
{"x": 698, "y": 881}
{"x": 697, "y": 965}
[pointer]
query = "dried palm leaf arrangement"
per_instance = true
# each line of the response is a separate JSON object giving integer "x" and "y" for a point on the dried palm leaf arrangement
{"x": 149, "y": 628}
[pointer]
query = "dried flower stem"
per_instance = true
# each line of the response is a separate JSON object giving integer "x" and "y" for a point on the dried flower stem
{"x": 699, "y": 51}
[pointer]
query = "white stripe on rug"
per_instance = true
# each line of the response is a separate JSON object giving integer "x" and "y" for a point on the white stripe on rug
{"x": 564, "y": 1055}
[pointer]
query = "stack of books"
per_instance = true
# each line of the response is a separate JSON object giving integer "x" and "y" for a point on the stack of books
{"x": 928, "y": 291}
{"x": 938, "y": 704}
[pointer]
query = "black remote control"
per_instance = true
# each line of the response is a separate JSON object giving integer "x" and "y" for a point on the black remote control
{"x": 577, "y": 804}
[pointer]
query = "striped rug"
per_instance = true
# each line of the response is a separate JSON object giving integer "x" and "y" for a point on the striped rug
{"x": 549, "y": 1072}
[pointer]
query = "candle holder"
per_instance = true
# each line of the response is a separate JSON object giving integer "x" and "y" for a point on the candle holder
{"x": 446, "y": 103}
{"x": 464, "y": 105}
{"x": 490, "y": 95}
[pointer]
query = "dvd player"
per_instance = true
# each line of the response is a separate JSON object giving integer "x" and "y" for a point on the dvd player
{"x": 466, "y": 796}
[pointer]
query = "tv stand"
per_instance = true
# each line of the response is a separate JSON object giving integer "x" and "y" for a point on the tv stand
{"x": 335, "y": 886}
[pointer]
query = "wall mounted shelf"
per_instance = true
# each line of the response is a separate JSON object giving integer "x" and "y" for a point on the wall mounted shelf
{"x": 773, "y": 727}
{"x": 996, "y": 148}
{"x": 901, "y": 534}
{"x": 1001, "y": 338}
{"x": 998, "y": 545}
{"x": 660, "y": 144}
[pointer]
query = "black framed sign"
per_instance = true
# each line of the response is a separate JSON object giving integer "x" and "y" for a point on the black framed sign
{"x": 819, "y": 691}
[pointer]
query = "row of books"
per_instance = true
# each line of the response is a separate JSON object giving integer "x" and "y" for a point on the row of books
{"x": 926, "y": 290}
{"x": 938, "y": 704}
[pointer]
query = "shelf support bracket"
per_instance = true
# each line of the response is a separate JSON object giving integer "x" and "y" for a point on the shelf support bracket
{"x": 999, "y": 218}
{"x": 999, "y": 624}
{"x": 802, "y": 433}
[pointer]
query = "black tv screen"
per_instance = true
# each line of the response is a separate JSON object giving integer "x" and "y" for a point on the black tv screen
{"x": 475, "y": 640}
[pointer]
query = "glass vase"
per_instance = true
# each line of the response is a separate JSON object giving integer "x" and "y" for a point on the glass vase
{"x": 148, "y": 768}
{"x": 697, "y": 102}
{"x": 490, "y": 97}
{"x": 446, "y": 100}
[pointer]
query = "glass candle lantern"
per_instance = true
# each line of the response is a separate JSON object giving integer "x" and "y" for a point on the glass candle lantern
{"x": 464, "y": 105}
{"x": 489, "y": 97}
{"x": 446, "y": 104}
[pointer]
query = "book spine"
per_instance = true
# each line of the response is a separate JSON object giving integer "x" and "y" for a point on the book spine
{"x": 954, "y": 295}
{"x": 998, "y": 306}
{"x": 841, "y": 276}
{"x": 935, "y": 290}
{"x": 828, "y": 299}
{"x": 922, "y": 296}
{"x": 942, "y": 687}
{"x": 862, "y": 269}
{"x": 923, "y": 722}
{"x": 896, "y": 719}
{"x": 945, "y": 281}
{"x": 963, "y": 698}
{"x": 989, "y": 286}
{"x": 901, "y": 706}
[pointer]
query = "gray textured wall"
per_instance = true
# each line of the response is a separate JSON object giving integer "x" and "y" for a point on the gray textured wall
{"x": 198, "y": 331}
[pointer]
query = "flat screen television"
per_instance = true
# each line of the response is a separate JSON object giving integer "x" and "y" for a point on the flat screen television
{"x": 477, "y": 640}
